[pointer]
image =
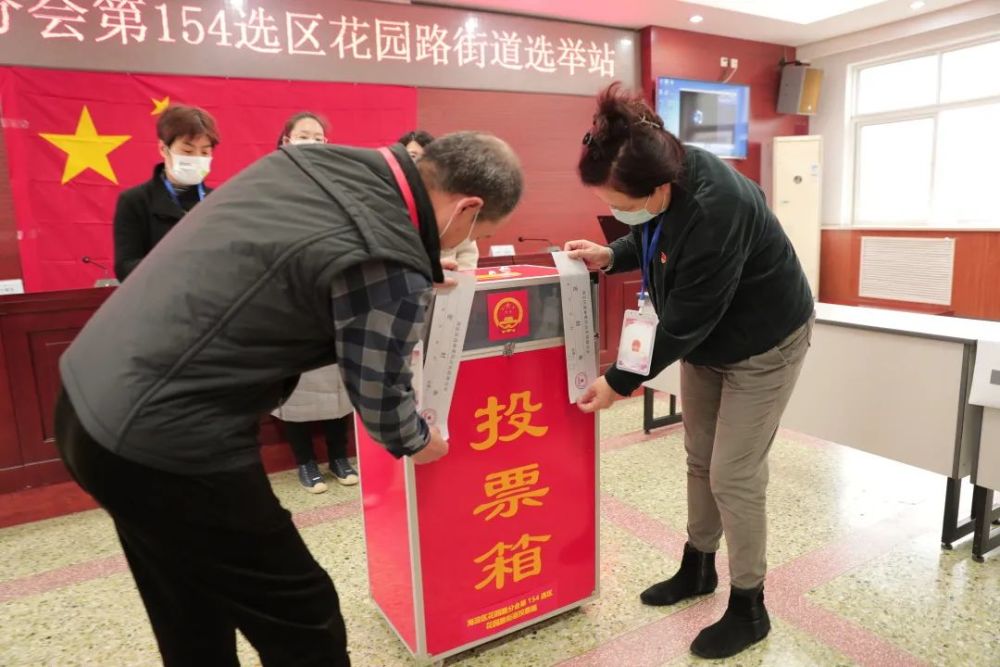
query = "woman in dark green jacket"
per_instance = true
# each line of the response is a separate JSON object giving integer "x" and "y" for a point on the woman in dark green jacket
{"x": 724, "y": 295}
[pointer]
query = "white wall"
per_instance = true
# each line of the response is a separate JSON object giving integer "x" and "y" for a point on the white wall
{"x": 971, "y": 21}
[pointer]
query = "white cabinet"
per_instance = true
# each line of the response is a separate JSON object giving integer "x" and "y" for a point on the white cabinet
{"x": 796, "y": 182}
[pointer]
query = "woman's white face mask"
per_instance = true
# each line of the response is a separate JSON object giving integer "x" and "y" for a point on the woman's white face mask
{"x": 638, "y": 217}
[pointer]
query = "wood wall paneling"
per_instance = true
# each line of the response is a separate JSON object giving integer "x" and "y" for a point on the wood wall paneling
{"x": 975, "y": 291}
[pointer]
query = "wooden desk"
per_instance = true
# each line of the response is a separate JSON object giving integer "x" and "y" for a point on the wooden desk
{"x": 35, "y": 329}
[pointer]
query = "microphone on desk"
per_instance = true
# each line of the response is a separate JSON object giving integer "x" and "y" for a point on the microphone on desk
{"x": 104, "y": 281}
{"x": 88, "y": 260}
{"x": 552, "y": 247}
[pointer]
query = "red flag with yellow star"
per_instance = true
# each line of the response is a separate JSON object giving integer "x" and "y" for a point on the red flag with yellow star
{"x": 75, "y": 140}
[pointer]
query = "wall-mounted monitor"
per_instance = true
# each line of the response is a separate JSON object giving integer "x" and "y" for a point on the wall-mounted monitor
{"x": 714, "y": 116}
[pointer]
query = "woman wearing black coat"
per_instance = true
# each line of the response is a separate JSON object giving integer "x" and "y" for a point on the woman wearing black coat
{"x": 146, "y": 213}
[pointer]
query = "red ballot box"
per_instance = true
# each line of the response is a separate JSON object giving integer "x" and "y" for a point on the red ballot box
{"x": 502, "y": 532}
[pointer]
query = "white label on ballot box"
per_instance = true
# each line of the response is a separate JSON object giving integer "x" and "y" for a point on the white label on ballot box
{"x": 578, "y": 324}
{"x": 444, "y": 349}
{"x": 986, "y": 376}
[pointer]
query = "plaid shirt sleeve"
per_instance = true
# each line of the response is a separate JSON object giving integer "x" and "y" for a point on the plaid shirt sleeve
{"x": 379, "y": 310}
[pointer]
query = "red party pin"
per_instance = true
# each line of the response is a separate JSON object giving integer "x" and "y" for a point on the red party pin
{"x": 663, "y": 258}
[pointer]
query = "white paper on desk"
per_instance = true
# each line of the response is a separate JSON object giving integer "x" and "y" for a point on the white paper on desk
{"x": 986, "y": 375}
{"x": 13, "y": 286}
{"x": 444, "y": 349}
{"x": 578, "y": 324}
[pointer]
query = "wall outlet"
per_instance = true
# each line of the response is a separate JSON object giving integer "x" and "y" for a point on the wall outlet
{"x": 724, "y": 61}
{"x": 734, "y": 63}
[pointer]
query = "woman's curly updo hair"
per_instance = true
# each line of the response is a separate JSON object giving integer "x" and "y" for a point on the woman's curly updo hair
{"x": 627, "y": 148}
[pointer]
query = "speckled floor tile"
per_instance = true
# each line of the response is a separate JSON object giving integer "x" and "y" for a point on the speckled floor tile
{"x": 651, "y": 476}
{"x": 55, "y": 543}
{"x": 627, "y": 567}
{"x": 784, "y": 647}
{"x": 92, "y": 623}
{"x": 625, "y": 417}
{"x": 846, "y": 489}
{"x": 99, "y": 622}
{"x": 819, "y": 494}
{"x": 940, "y": 605}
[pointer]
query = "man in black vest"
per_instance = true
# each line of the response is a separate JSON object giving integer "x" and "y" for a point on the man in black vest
{"x": 313, "y": 255}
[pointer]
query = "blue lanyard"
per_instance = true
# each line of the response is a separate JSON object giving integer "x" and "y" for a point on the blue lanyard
{"x": 649, "y": 249}
{"x": 173, "y": 192}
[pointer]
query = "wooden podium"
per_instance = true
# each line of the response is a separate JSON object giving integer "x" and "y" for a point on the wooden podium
{"x": 35, "y": 329}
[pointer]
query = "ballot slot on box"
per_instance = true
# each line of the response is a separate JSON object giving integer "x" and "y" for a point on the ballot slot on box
{"x": 502, "y": 533}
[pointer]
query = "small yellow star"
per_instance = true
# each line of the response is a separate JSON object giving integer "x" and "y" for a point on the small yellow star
{"x": 86, "y": 149}
{"x": 159, "y": 106}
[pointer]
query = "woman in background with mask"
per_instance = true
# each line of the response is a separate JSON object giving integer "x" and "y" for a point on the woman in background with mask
{"x": 146, "y": 213}
{"x": 304, "y": 128}
{"x": 320, "y": 397}
{"x": 725, "y": 295}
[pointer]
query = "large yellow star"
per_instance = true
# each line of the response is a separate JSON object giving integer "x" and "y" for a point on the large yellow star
{"x": 86, "y": 149}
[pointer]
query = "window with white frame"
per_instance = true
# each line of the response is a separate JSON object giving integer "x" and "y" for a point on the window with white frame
{"x": 927, "y": 139}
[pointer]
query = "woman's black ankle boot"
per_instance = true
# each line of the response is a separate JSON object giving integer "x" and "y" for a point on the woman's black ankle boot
{"x": 696, "y": 576}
